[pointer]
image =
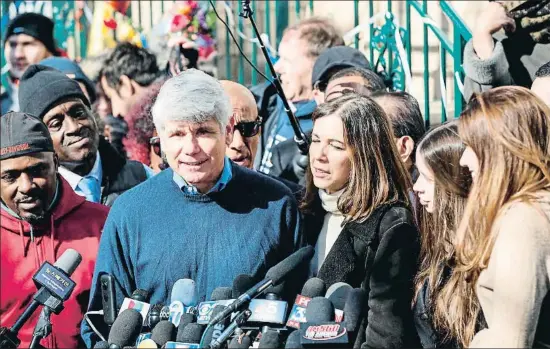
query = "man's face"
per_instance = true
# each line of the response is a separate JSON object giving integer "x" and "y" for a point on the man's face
{"x": 337, "y": 86}
{"x": 246, "y": 136}
{"x": 196, "y": 151}
{"x": 295, "y": 67}
{"x": 28, "y": 184}
{"x": 541, "y": 87}
{"x": 23, "y": 50}
{"x": 74, "y": 131}
{"x": 122, "y": 99}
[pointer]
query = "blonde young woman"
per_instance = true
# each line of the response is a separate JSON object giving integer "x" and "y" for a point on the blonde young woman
{"x": 442, "y": 188}
{"x": 503, "y": 241}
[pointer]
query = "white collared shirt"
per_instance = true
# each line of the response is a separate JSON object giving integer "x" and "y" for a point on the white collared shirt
{"x": 74, "y": 179}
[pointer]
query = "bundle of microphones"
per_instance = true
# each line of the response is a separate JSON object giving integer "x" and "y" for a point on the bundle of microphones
{"x": 236, "y": 317}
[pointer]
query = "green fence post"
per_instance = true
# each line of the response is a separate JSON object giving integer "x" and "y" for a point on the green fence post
{"x": 297, "y": 8}
{"x": 268, "y": 30}
{"x": 371, "y": 30}
{"x": 227, "y": 52}
{"x": 390, "y": 50}
{"x": 311, "y": 6}
{"x": 426, "y": 50}
{"x": 281, "y": 17}
{"x": 458, "y": 51}
{"x": 408, "y": 36}
{"x": 443, "y": 66}
{"x": 356, "y": 21}
{"x": 253, "y": 72}
{"x": 241, "y": 44}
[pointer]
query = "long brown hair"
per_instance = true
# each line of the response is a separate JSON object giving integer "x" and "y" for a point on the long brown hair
{"x": 377, "y": 175}
{"x": 441, "y": 149}
{"x": 508, "y": 128}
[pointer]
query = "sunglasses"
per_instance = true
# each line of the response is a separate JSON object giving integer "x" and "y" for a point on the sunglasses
{"x": 154, "y": 142}
{"x": 249, "y": 129}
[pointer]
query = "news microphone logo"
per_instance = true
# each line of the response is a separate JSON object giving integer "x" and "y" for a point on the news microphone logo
{"x": 298, "y": 312}
{"x": 141, "y": 307}
{"x": 205, "y": 310}
{"x": 178, "y": 345}
{"x": 54, "y": 280}
{"x": 324, "y": 332}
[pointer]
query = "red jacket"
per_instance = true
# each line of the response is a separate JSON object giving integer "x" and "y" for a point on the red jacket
{"x": 75, "y": 223}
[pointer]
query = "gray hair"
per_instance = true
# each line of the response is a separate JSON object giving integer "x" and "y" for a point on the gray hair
{"x": 191, "y": 96}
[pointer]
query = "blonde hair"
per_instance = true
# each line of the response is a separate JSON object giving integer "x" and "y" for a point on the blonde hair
{"x": 508, "y": 128}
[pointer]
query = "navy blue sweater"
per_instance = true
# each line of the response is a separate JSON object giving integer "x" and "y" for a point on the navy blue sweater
{"x": 156, "y": 234}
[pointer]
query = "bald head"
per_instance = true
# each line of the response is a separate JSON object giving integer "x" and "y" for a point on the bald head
{"x": 244, "y": 146}
{"x": 242, "y": 101}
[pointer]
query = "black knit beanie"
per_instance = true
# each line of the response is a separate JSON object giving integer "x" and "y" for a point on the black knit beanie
{"x": 22, "y": 134}
{"x": 42, "y": 87}
{"x": 36, "y": 25}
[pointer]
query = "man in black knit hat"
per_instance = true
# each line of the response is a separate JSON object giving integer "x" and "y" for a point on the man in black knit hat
{"x": 92, "y": 167}
{"x": 28, "y": 40}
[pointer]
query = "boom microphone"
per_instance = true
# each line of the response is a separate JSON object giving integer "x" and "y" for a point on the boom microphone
{"x": 274, "y": 276}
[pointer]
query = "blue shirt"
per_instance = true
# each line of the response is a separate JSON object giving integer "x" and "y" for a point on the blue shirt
{"x": 220, "y": 184}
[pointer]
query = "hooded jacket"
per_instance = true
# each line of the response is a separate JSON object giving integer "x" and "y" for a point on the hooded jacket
{"x": 74, "y": 223}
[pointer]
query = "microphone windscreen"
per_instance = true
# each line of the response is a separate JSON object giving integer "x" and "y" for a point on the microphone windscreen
{"x": 354, "y": 309}
{"x": 153, "y": 318}
{"x": 241, "y": 284}
{"x": 240, "y": 343}
{"x": 192, "y": 333}
{"x": 185, "y": 291}
{"x": 126, "y": 328}
{"x": 294, "y": 340}
{"x": 270, "y": 340}
{"x": 185, "y": 320}
{"x": 140, "y": 295}
{"x": 221, "y": 293}
{"x": 314, "y": 287}
{"x": 101, "y": 345}
{"x": 320, "y": 309}
{"x": 280, "y": 270}
{"x": 147, "y": 344}
{"x": 338, "y": 293}
{"x": 69, "y": 260}
{"x": 164, "y": 331}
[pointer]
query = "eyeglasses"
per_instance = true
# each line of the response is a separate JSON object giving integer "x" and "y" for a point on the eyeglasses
{"x": 155, "y": 144}
{"x": 249, "y": 129}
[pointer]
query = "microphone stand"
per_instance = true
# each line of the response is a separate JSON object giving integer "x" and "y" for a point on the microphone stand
{"x": 42, "y": 329}
{"x": 299, "y": 136}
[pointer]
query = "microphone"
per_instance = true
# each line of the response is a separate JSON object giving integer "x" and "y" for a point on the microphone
{"x": 147, "y": 344}
{"x": 239, "y": 320}
{"x": 126, "y": 329}
{"x": 313, "y": 287}
{"x": 164, "y": 313}
{"x": 273, "y": 277}
{"x": 137, "y": 302}
{"x": 221, "y": 293}
{"x": 101, "y": 345}
{"x": 107, "y": 282}
{"x": 294, "y": 340}
{"x": 163, "y": 332}
{"x": 241, "y": 284}
{"x": 54, "y": 287}
{"x": 338, "y": 294}
{"x": 189, "y": 338}
{"x": 154, "y": 316}
{"x": 270, "y": 340}
{"x": 240, "y": 342}
{"x": 320, "y": 309}
{"x": 215, "y": 331}
{"x": 186, "y": 319}
{"x": 184, "y": 293}
{"x": 320, "y": 328}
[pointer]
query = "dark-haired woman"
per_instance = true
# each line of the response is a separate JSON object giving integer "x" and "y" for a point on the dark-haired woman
{"x": 357, "y": 193}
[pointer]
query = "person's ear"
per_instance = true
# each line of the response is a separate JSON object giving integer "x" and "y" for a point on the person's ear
{"x": 318, "y": 96}
{"x": 405, "y": 147}
{"x": 55, "y": 161}
{"x": 229, "y": 130}
{"x": 126, "y": 88}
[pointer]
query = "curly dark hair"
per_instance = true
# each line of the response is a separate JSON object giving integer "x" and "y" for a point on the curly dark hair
{"x": 141, "y": 127}
{"x": 136, "y": 63}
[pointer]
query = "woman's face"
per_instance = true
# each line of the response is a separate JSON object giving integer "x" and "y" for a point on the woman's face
{"x": 469, "y": 159}
{"x": 425, "y": 184}
{"x": 329, "y": 156}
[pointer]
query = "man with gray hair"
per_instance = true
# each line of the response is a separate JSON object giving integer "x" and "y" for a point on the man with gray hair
{"x": 205, "y": 218}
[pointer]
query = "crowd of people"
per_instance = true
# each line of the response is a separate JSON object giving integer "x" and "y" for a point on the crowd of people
{"x": 155, "y": 175}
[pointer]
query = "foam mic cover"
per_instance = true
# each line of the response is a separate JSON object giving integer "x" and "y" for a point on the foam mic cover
{"x": 314, "y": 287}
{"x": 270, "y": 339}
{"x": 282, "y": 269}
{"x": 163, "y": 332}
{"x": 354, "y": 309}
{"x": 192, "y": 333}
{"x": 294, "y": 340}
{"x": 240, "y": 343}
{"x": 186, "y": 319}
{"x": 101, "y": 345}
{"x": 320, "y": 309}
{"x": 221, "y": 293}
{"x": 338, "y": 293}
{"x": 241, "y": 284}
{"x": 125, "y": 329}
{"x": 185, "y": 291}
{"x": 140, "y": 295}
{"x": 68, "y": 261}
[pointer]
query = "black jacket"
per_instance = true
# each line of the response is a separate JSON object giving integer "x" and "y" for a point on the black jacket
{"x": 379, "y": 255}
{"x": 119, "y": 174}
